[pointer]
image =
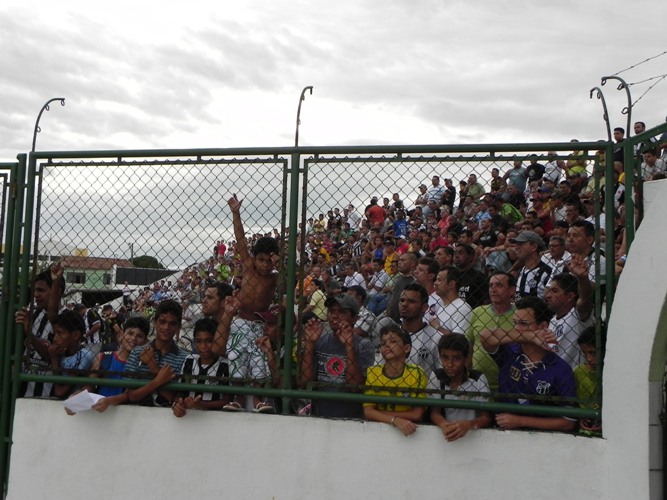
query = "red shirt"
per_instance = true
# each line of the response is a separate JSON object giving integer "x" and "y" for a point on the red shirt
{"x": 376, "y": 215}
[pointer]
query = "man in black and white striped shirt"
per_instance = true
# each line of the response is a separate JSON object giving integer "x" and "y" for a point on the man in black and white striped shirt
{"x": 534, "y": 275}
{"x": 41, "y": 330}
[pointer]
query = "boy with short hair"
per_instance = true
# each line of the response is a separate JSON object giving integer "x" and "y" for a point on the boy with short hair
{"x": 162, "y": 351}
{"x": 134, "y": 334}
{"x": 394, "y": 378}
{"x": 66, "y": 352}
{"x": 260, "y": 281}
{"x": 112, "y": 365}
{"x": 206, "y": 368}
{"x": 454, "y": 375}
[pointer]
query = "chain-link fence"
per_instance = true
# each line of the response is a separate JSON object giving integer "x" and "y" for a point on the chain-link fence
{"x": 438, "y": 245}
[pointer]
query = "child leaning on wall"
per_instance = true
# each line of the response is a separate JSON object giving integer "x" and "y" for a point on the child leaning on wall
{"x": 395, "y": 378}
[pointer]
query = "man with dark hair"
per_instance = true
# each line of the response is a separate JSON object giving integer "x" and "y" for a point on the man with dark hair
{"x": 475, "y": 189}
{"x": 566, "y": 194}
{"x": 92, "y": 322}
{"x": 516, "y": 177}
{"x": 571, "y": 298}
{"x": 148, "y": 359}
{"x": 352, "y": 277}
{"x": 377, "y": 295}
{"x": 334, "y": 355}
{"x": 580, "y": 241}
{"x": 444, "y": 256}
{"x": 619, "y": 136}
{"x": 452, "y": 314}
{"x": 425, "y": 272}
{"x": 46, "y": 301}
{"x": 449, "y": 197}
{"x": 496, "y": 315}
{"x": 535, "y": 170}
{"x": 66, "y": 352}
{"x": 534, "y": 275}
{"x": 407, "y": 263}
{"x": 412, "y": 306}
{"x": 436, "y": 190}
{"x": 473, "y": 287}
{"x": 652, "y": 164}
{"x": 640, "y": 128}
{"x": 557, "y": 256}
{"x": 214, "y": 299}
{"x": 375, "y": 214}
{"x": 366, "y": 324}
{"x": 528, "y": 367}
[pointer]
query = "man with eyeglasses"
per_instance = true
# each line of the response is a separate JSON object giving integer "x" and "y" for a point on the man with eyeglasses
{"x": 528, "y": 368}
{"x": 557, "y": 255}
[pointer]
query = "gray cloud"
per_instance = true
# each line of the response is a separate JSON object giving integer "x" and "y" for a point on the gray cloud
{"x": 482, "y": 71}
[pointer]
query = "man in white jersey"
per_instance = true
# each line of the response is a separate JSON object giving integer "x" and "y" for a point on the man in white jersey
{"x": 425, "y": 272}
{"x": 571, "y": 298}
{"x": 454, "y": 313}
{"x": 412, "y": 306}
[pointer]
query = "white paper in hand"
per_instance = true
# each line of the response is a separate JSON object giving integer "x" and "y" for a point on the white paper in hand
{"x": 82, "y": 401}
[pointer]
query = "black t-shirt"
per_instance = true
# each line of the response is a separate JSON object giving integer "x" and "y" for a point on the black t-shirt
{"x": 474, "y": 288}
{"x": 535, "y": 172}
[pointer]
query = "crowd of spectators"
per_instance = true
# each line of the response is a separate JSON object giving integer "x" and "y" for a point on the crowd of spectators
{"x": 485, "y": 288}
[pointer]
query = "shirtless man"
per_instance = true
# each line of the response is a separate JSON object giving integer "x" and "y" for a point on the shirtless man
{"x": 258, "y": 291}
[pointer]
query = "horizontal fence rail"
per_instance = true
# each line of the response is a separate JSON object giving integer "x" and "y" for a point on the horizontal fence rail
{"x": 95, "y": 212}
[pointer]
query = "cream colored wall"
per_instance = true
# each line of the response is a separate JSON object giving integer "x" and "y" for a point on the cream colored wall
{"x": 146, "y": 453}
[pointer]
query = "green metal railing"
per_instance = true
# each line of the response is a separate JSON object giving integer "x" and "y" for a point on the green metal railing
{"x": 306, "y": 175}
{"x": 13, "y": 208}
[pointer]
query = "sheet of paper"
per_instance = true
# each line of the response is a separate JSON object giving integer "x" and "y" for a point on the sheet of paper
{"x": 82, "y": 401}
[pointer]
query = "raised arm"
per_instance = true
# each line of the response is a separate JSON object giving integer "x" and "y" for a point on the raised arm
{"x": 311, "y": 333}
{"x": 239, "y": 233}
{"x": 230, "y": 308}
{"x": 586, "y": 300}
{"x": 353, "y": 372}
{"x": 492, "y": 339}
{"x": 53, "y": 307}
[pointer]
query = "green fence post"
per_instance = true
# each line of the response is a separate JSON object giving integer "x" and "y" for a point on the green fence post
{"x": 9, "y": 289}
{"x": 291, "y": 274}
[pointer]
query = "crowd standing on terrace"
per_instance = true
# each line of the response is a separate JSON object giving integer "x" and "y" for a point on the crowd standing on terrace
{"x": 470, "y": 292}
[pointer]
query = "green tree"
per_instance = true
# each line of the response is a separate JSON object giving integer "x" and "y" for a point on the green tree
{"x": 146, "y": 261}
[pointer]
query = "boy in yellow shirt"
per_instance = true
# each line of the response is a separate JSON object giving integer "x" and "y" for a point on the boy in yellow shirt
{"x": 395, "y": 378}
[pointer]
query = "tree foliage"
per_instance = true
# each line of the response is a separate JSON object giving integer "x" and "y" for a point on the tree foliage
{"x": 147, "y": 261}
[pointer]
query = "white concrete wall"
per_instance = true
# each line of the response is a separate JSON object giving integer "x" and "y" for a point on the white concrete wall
{"x": 132, "y": 452}
{"x": 146, "y": 453}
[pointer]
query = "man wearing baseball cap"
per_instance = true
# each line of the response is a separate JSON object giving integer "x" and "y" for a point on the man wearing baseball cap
{"x": 335, "y": 356}
{"x": 534, "y": 275}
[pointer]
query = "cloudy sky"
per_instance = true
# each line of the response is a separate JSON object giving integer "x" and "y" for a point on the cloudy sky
{"x": 145, "y": 74}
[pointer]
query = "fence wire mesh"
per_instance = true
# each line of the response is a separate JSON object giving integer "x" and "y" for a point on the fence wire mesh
{"x": 437, "y": 247}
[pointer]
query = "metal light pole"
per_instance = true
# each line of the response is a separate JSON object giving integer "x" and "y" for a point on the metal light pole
{"x": 628, "y": 109}
{"x": 600, "y": 96}
{"x": 44, "y": 108}
{"x": 298, "y": 113}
